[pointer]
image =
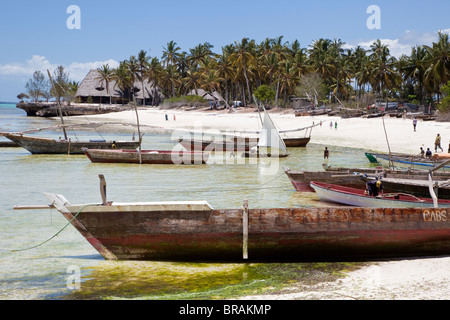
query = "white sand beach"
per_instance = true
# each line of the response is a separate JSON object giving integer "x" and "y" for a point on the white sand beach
{"x": 417, "y": 279}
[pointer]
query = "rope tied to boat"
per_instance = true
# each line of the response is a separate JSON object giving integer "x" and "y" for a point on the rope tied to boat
{"x": 55, "y": 235}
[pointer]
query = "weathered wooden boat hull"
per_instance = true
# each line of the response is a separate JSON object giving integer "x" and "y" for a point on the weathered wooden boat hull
{"x": 8, "y": 144}
{"x": 405, "y": 161}
{"x": 419, "y": 188}
{"x": 37, "y": 145}
{"x": 357, "y": 197}
{"x": 417, "y": 174}
{"x": 147, "y": 156}
{"x": 301, "y": 180}
{"x": 296, "y": 142}
{"x": 134, "y": 232}
{"x": 249, "y": 154}
{"x": 211, "y": 146}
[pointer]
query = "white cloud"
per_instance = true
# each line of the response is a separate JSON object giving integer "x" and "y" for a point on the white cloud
{"x": 403, "y": 44}
{"x": 77, "y": 70}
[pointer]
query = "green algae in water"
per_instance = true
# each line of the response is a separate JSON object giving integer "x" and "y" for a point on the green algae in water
{"x": 180, "y": 281}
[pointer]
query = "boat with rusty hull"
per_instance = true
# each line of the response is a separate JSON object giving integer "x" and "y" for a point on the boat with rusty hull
{"x": 359, "y": 197}
{"x": 194, "y": 231}
{"x": 40, "y": 145}
{"x": 146, "y": 156}
{"x": 301, "y": 179}
{"x": 408, "y": 181}
{"x": 230, "y": 145}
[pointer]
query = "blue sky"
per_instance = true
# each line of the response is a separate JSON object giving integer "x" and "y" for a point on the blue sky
{"x": 34, "y": 34}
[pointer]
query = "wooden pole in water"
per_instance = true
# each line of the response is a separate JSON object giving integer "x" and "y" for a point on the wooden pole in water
{"x": 103, "y": 188}
{"x": 68, "y": 148}
{"x": 245, "y": 230}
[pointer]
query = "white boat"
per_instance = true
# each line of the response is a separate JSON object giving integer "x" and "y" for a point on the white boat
{"x": 357, "y": 197}
{"x": 270, "y": 143}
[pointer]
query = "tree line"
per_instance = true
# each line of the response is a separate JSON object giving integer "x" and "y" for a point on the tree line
{"x": 39, "y": 86}
{"x": 286, "y": 68}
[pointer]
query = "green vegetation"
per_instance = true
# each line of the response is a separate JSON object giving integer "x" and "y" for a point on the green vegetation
{"x": 176, "y": 281}
{"x": 345, "y": 74}
{"x": 445, "y": 103}
{"x": 40, "y": 87}
{"x": 187, "y": 99}
{"x": 265, "y": 94}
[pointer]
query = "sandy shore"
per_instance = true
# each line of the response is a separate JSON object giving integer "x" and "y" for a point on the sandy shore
{"x": 416, "y": 279}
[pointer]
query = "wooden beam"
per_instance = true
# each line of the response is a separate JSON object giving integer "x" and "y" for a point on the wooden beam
{"x": 245, "y": 230}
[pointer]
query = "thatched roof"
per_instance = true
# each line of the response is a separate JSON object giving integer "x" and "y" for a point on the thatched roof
{"x": 92, "y": 86}
{"x": 214, "y": 96}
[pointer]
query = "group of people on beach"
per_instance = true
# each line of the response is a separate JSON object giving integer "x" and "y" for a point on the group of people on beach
{"x": 437, "y": 145}
{"x": 167, "y": 117}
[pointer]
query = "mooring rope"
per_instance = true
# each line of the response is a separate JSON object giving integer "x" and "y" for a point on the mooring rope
{"x": 42, "y": 243}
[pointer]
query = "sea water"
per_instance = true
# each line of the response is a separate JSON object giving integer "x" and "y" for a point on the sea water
{"x": 31, "y": 268}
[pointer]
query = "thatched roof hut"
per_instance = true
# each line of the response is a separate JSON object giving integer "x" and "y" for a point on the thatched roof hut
{"x": 93, "y": 89}
{"x": 214, "y": 96}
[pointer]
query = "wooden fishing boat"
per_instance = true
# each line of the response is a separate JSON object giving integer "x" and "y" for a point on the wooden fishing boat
{"x": 358, "y": 197}
{"x": 38, "y": 145}
{"x": 8, "y": 144}
{"x": 405, "y": 173}
{"x": 236, "y": 144}
{"x": 146, "y": 156}
{"x": 357, "y": 178}
{"x": 296, "y": 142}
{"x": 301, "y": 179}
{"x": 417, "y": 186}
{"x": 194, "y": 231}
{"x": 405, "y": 160}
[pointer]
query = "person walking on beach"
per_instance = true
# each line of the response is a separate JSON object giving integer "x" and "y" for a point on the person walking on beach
{"x": 331, "y": 125}
{"x": 326, "y": 153}
{"x": 414, "y": 124}
{"x": 335, "y": 125}
{"x": 167, "y": 117}
{"x": 428, "y": 154}
{"x": 437, "y": 143}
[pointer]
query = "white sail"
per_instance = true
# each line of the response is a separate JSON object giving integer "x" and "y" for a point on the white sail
{"x": 269, "y": 136}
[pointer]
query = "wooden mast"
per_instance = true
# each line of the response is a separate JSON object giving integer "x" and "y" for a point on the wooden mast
{"x": 59, "y": 107}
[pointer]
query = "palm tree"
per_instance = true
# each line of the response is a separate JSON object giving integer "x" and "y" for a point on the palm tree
{"x": 320, "y": 59}
{"x": 142, "y": 66}
{"x": 122, "y": 77}
{"x": 243, "y": 59}
{"x": 105, "y": 77}
{"x": 170, "y": 57}
{"x": 384, "y": 73}
{"x": 438, "y": 60}
{"x": 415, "y": 67}
{"x": 154, "y": 73}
